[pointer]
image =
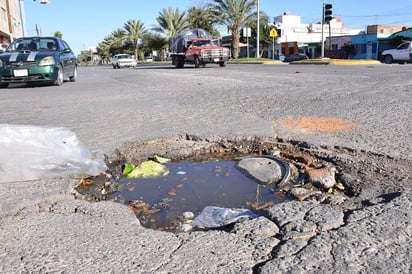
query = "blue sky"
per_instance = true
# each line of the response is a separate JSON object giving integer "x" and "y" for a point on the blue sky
{"x": 85, "y": 23}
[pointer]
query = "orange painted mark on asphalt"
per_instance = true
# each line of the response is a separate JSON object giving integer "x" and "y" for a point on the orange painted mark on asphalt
{"x": 314, "y": 124}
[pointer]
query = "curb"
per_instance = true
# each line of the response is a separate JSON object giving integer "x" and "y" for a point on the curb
{"x": 338, "y": 62}
{"x": 354, "y": 62}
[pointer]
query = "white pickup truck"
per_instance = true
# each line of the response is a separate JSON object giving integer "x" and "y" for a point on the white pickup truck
{"x": 402, "y": 54}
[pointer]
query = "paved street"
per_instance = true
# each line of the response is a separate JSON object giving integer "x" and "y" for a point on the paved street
{"x": 43, "y": 229}
{"x": 108, "y": 107}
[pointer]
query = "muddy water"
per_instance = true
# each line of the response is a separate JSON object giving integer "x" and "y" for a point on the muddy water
{"x": 159, "y": 203}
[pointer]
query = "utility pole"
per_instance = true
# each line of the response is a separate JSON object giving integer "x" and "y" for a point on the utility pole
{"x": 22, "y": 18}
{"x": 38, "y": 30}
{"x": 258, "y": 30}
{"x": 322, "y": 55}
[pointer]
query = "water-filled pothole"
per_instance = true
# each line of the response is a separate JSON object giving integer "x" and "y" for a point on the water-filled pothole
{"x": 164, "y": 203}
{"x": 204, "y": 173}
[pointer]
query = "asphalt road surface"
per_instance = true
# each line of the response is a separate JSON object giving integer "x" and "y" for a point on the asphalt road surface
{"x": 43, "y": 229}
{"x": 109, "y": 107}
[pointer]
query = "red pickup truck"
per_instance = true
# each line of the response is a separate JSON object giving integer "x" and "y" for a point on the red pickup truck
{"x": 197, "y": 47}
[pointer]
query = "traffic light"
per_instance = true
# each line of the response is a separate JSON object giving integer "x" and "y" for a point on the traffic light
{"x": 328, "y": 13}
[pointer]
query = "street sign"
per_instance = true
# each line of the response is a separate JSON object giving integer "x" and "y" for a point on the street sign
{"x": 247, "y": 32}
{"x": 273, "y": 33}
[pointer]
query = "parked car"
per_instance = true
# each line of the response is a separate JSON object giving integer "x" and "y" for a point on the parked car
{"x": 295, "y": 57}
{"x": 35, "y": 60}
{"x": 337, "y": 54}
{"x": 280, "y": 57}
{"x": 123, "y": 60}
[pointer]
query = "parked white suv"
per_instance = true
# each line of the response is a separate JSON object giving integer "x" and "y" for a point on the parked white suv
{"x": 402, "y": 54}
{"x": 123, "y": 60}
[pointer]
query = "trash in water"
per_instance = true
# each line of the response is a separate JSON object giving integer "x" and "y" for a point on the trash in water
{"x": 39, "y": 152}
{"x": 161, "y": 160}
{"x": 127, "y": 168}
{"x": 166, "y": 203}
{"x": 212, "y": 216}
{"x": 147, "y": 169}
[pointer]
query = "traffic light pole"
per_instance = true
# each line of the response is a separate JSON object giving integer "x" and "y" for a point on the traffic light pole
{"x": 326, "y": 18}
{"x": 322, "y": 55}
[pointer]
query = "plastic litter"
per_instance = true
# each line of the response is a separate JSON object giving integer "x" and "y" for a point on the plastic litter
{"x": 148, "y": 169}
{"x": 212, "y": 216}
{"x": 161, "y": 160}
{"x": 41, "y": 152}
{"x": 127, "y": 168}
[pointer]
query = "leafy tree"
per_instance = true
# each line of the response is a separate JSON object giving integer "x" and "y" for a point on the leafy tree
{"x": 134, "y": 30}
{"x": 58, "y": 34}
{"x": 84, "y": 56}
{"x": 234, "y": 14}
{"x": 152, "y": 42}
{"x": 264, "y": 31}
{"x": 171, "y": 22}
{"x": 397, "y": 40}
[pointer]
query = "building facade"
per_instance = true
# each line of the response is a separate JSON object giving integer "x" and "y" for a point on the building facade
{"x": 369, "y": 45}
{"x": 296, "y": 37}
{"x": 10, "y": 22}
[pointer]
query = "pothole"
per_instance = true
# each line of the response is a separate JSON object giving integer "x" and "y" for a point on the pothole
{"x": 204, "y": 173}
{"x": 169, "y": 202}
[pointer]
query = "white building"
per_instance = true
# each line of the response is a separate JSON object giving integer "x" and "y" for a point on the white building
{"x": 296, "y": 37}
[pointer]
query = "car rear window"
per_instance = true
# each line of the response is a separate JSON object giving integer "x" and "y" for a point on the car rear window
{"x": 124, "y": 57}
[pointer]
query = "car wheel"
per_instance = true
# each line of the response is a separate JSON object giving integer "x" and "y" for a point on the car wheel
{"x": 222, "y": 64}
{"x": 4, "y": 85}
{"x": 118, "y": 66}
{"x": 114, "y": 66}
{"x": 60, "y": 77}
{"x": 73, "y": 78}
{"x": 388, "y": 59}
{"x": 197, "y": 62}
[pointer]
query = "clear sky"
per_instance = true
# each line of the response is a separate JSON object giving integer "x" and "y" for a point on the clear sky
{"x": 85, "y": 23}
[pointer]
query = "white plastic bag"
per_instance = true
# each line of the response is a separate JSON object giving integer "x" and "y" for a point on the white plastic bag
{"x": 213, "y": 216}
{"x": 38, "y": 152}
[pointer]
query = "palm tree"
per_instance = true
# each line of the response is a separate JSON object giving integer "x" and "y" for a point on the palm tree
{"x": 135, "y": 29}
{"x": 233, "y": 14}
{"x": 201, "y": 17}
{"x": 115, "y": 39}
{"x": 171, "y": 22}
